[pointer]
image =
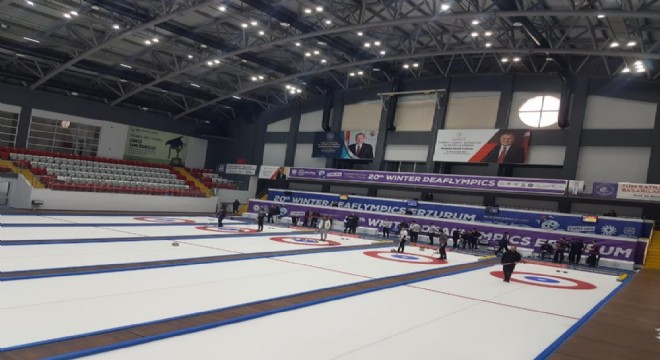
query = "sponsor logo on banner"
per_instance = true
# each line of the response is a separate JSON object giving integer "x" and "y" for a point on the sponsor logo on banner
{"x": 633, "y": 191}
{"x": 607, "y": 190}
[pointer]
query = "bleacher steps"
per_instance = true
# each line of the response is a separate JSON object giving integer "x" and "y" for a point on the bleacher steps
{"x": 652, "y": 260}
{"x": 33, "y": 180}
{"x": 205, "y": 190}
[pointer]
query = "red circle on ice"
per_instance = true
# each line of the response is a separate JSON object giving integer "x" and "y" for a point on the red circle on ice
{"x": 545, "y": 280}
{"x": 233, "y": 230}
{"x": 406, "y": 258}
{"x": 301, "y": 240}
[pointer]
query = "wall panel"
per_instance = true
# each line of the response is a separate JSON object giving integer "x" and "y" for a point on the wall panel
{"x": 415, "y": 113}
{"x": 600, "y": 163}
{"x": 274, "y": 154}
{"x": 612, "y": 113}
{"x": 472, "y": 110}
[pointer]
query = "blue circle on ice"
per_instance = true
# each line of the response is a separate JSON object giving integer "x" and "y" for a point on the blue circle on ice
{"x": 542, "y": 279}
{"x": 405, "y": 257}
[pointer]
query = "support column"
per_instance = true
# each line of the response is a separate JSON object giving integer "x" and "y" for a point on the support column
{"x": 439, "y": 117}
{"x": 293, "y": 134}
{"x": 576, "y": 120}
{"x": 502, "y": 121}
{"x": 23, "y": 129}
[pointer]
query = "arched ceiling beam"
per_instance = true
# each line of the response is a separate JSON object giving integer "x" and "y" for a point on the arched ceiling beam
{"x": 396, "y": 22}
{"x": 175, "y": 13}
{"x": 534, "y": 51}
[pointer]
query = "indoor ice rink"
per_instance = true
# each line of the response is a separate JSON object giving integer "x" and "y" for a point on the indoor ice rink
{"x": 74, "y": 278}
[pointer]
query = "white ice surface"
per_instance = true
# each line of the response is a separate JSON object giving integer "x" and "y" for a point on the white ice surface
{"x": 40, "y": 309}
{"x": 466, "y": 316}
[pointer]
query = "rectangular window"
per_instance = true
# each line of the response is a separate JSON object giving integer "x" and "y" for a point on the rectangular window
{"x": 63, "y": 136}
{"x": 8, "y": 128}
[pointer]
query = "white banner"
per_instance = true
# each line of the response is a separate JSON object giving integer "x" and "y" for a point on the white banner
{"x": 241, "y": 169}
{"x": 479, "y": 146}
{"x": 634, "y": 191}
{"x": 273, "y": 172}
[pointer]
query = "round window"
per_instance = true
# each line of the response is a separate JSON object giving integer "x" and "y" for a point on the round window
{"x": 540, "y": 111}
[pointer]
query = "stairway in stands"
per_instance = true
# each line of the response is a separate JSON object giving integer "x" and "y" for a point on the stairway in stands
{"x": 205, "y": 190}
{"x": 653, "y": 252}
{"x": 25, "y": 172}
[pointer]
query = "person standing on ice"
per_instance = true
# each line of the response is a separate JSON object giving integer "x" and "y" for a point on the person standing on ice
{"x": 324, "y": 226}
{"x": 509, "y": 260}
{"x": 403, "y": 234}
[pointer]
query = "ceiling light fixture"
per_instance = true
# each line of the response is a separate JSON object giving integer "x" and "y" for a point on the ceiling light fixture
{"x": 307, "y": 54}
{"x": 504, "y": 60}
{"x": 322, "y": 43}
{"x": 254, "y": 23}
{"x": 600, "y": 16}
{"x": 614, "y": 44}
{"x": 190, "y": 56}
{"x": 244, "y": 25}
{"x": 222, "y": 8}
{"x": 316, "y": 52}
{"x": 32, "y": 40}
{"x": 319, "y": 9}
{"x": 323, "y": 61}
{"x": 475, "y": 22}
{"x": 308, "y": 11}
{"x": 474, "y": 34}
{"x": 154, "y": 40}
{"x": 262, "y": 33}
{"x": 631, "y": 43}
{"x": 406, "y": 66}
{"x": 203, "y": 46}
{"x": 209, "y": 63}
{"x": 261, "y": 77}
{"x": 29, "y": 2}
{"x": 67, "y": 16}
{"x": 444, "y": 7}
{"x": 367, "y": 44}
{"x": 298, "y": 91}
{"x": 376, "y": 43}
{"x": 74, "y": 93}
{"x": 195, "y": 85}
{"x": 360, "y": 73}
{"x": 236, "y": 97}
{"x": 297, "y": 44}
{"x": 360, "y": 33}
{"x": 74, "y": 13}
{"x": 488, "y": 33}
{"x": 126, "y": 66}
{"x": 216, "y": 61}
{"x": 515, "y": 59}
{"x": 383, "y": 52}
{"x": 328, "y": 22}
{"x": 625, "y": 70}
{"x": 640, "y": 70}
{"x": 351, "y": 74}
{"x": 115, "y": 26}
{"x": 415, "y": 65}
{"x": 254, "y": 78}
{"x": 376, "y": 69}
{"x": 488, "y": 44}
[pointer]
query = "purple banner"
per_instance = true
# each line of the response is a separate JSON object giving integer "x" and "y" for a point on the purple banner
{"x": 489, "y": 183}
{"x": 604, "y": 190}
{"x": 619, "y": 249}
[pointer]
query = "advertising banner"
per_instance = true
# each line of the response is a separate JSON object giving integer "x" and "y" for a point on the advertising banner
{"x": 480, "y": 146}
{"x": 620, "y": 249}
{"x": 241, "y": 169}
{"x": 609, "y": 226}
{"x": 489, "y": 183}
{"x": 355, "y": 145}
{"x": 155, "y": 146}
{"x": 273, "y": 172}
{"x": 633, "y": 191}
